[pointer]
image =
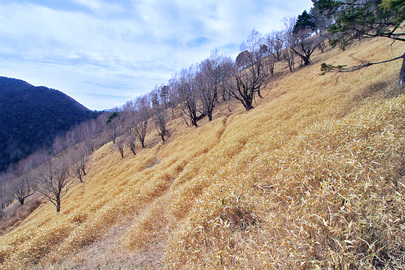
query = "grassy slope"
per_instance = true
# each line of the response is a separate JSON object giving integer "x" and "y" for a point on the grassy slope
{"x": 312, "y": 177}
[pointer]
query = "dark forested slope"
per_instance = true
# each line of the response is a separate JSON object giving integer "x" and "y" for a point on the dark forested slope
{"x": 31, "y": 117}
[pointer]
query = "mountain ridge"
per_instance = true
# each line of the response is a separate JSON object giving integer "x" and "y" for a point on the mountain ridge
{"x": 32, "y": 116}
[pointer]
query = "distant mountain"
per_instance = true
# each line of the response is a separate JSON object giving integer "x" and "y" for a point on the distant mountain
{"x": 31, "y": 117}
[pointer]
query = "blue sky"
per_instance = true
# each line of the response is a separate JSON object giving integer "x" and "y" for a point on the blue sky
{"x": 104, "y": 53}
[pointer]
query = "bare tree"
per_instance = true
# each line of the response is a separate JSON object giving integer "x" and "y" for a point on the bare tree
{"x": 6, "y": 194}
{"x": 22, "y": 182}
{"x": 71, "y": 138}
{"x": 36, "y": 159}
{"x": 255, "y": 76}
{"x": 160, "y": 121}
{"x": 130, "y": 139}
{"x": 208, "y": 78}
{"x": 275, "y": 42}
{"x": 301, "y": 39}
{"x": 54, "y": 181}
{"x": 141, "y": 118}
{"x": 23, "y": 187}
{"x": 3, "y": 197}
{"x": 119, "y": 145}
{"x": 59, "y": 144}
{"x": 130, "y": 122}
{"x": 226, "y": 70}
{"x": 206, "y": 87}
{"x": 187, "y": 91}
{"x": 304, "y": 44}
{"x": 173, "y": 95}
{"x": 80, "y": 158}
{"x": 289, "y": 57}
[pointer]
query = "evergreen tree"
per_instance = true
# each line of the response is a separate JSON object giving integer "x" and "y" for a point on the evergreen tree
{"x": 357, "y": 19}
{"x": 304, "y": 21}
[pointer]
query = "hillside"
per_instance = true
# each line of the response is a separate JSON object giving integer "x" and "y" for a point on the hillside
{"x": 311, "y": 178}
{"x": 31, "y": 117}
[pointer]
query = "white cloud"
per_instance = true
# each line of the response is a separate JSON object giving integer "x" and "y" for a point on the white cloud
{"x": 121, "y": 49}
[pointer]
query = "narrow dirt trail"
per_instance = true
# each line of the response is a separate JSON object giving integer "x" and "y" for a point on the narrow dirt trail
{"x": 108, "y": 253}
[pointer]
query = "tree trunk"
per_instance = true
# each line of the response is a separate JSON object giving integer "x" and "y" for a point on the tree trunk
{"x": 402, "y": 73}
{"x": 58, "y": 205}
{"x": 248, "y": 105}
{"x": 21, "y": 201}
{"x": 209, "y": 116}
{"x": 306, "y": 61}
{"x": 80, "y": 177}
{"x": 133, "y": 149}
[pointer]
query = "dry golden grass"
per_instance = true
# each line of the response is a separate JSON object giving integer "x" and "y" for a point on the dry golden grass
{"x": 312, "y": 178}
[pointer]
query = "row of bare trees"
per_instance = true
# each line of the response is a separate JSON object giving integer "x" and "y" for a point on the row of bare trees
{"x": 196, "y": 91}
{"x": 48, "y": 171}
{"x": 52, "y": 178}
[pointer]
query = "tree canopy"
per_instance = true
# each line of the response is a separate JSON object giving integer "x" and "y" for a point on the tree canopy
{"x": 360, "y": 19}
{"x": 357, "y": 19}
{"x": 304, "y": 21}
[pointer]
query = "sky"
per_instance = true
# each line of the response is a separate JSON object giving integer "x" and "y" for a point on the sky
{"x": 105, "y": 53}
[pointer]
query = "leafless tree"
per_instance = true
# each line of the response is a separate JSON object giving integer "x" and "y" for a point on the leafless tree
{"x": 160, "y": 119}
{"x": 21, "y": 180}
{"x": 303, "y": 42}
{"x": 160, "y": 97}
{"x": 36, "y": 159}
{"x": 6, "y": 194}
{"x": 141, "y": 118}
{"x": 226, "y": 71}
{"x": 80, "y": 157}
{"x": 187, "y": 91}
{"x": 129, "y": 111}
{"x": 209, "y": 75}
{"x": 206, "y": 87}
{"x": 254, "y": 76}
{"x": 59, "y": 144}
{"x": 54, "y": 181}
{"x": 289, "y": 57}
{"x": 3, "y": 197}
{"x": 23, "y": 187}
{"x": 270, "y": 62}
{"x": 173, "y": 95}
{"x": 71, "y": 138}
{"x": 130, "y": 139}
{"x": 119, "y": 145}
{"x": 275, "y": 42}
